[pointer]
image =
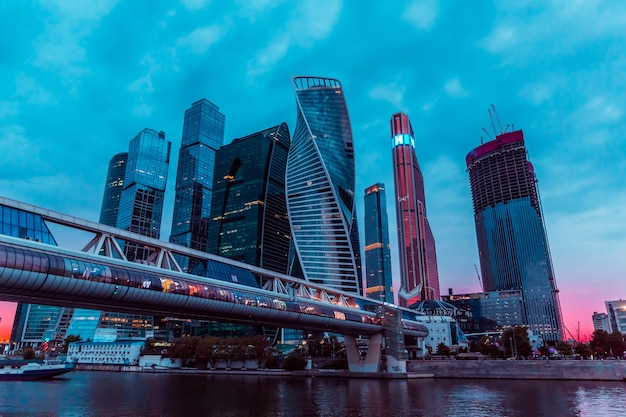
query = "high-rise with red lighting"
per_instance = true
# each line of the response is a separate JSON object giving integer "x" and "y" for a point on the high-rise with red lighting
{"x": 416, "y": 245}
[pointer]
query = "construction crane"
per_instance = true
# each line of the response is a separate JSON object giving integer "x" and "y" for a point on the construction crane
{"x": 480, "y": 281}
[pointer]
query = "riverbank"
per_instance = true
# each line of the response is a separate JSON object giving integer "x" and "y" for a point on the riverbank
{"x": 578, "y": 370}
{"x": 455, "y": 369}
{"x": 313, "y": 373}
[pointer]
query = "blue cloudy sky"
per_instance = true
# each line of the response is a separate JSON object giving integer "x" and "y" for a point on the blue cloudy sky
{"x": 81, "y": 78}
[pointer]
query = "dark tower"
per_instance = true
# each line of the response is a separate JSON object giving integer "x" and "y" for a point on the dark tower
{"x": 248, "y": 208}
{"x": 113, "y": 189}
{"x": 203, "y": 134}
{"x": 378, "y": 279}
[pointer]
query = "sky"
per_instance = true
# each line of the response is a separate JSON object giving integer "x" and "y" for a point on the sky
{"x": 81, "y": 79}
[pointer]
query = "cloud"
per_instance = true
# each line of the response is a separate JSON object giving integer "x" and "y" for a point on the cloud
{"x": 8, "y": 108}
{"x": 537, "y": 92}
{"x": 195, "y": 4}
{"x": 61, "y": 47}
{"x": 200, "y": 39}
{"x": 391, "y": 93}
{"x": 311, "y": 20}
{"x": 19, "y": 156}
{"x": 253, "y": 9}
{"x": 28, "y": 88}
{"x": 453, "y": 88}
{"x": 422, "y": 14}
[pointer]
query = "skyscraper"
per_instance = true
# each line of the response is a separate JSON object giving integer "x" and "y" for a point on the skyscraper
{"x": 378, "y": 277}
{"x": 512, "y": 243}
{"x": 248, "y": 209}
{"x": 203, "y": 134}
{"x": 141, "y": 201}
{"x": 419, "y": 277}
{"x": 113, "y": 189}
{"x": 320, "y": 186}
{"x": 33, "y": 323}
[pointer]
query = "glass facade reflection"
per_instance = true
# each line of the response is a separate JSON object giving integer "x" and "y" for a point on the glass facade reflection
{"x": 378, "y": 277}
{"x": 489, "y": 311}
{"x": 141, "y": 201}
{"x": 419, "y": 276}
{"x": 113, "y": 189}
{"x": 33, "y": 322}
{"x": 248, "y": 209}
{"x": 616, "y": 311}
{"x": 203, "y": 134}
{"x": 512, "y": 242}
{"x": 320, "y": 186}
{"x": 100, "y": 326}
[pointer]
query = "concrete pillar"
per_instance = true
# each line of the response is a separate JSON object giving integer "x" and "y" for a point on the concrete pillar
{"x": 371, "y": 361}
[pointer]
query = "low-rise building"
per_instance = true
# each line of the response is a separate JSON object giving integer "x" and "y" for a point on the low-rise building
{"x": 114, "y": 353}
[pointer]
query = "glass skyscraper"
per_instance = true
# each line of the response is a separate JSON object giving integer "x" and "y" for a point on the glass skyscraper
{"x": 33, "y": 323}
{"x": 248, "y": 210}
{"x": 512, "y": 242}
{"x": 378, "y": 277}
{"x": 141, "y": 201}
{"x": 320, "y": 186}
{"x": 203, "y": 134}
{"x": 113, "y": 189}
{"x": 419, "y": 276}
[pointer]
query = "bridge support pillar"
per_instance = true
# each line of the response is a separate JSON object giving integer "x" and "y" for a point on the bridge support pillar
{"x": 371, "y": 361}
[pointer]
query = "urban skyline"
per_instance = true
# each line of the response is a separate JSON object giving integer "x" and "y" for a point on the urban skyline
{"x": 552, "y": 70}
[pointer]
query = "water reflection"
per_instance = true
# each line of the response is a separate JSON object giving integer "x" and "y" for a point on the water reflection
{"x": 127, "y": 394}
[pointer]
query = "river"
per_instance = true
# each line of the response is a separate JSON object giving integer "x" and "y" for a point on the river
{"x": 108, "y": 394}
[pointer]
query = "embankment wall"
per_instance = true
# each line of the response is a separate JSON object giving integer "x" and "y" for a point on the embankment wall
{"x": 609, "y": 370}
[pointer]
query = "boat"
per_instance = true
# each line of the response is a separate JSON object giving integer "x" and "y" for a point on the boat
{"x": 23, "y": 370}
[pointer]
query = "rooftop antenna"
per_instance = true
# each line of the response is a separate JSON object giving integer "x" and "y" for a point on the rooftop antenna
{"x": 492, "y": 125}
{"x": 486, "y": 133}
{"x": 497, "y": 118}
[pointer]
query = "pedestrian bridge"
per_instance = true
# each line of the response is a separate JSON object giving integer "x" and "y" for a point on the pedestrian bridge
{"x": 100, "y": 277}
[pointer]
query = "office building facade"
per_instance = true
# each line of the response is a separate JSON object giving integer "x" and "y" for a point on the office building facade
{"x": 378, "y": 279}
{"x": 320, "y": 183}
{"x": 248, "y": 210}
{"x": 616, "y": 312}
{"x": 419, "y": 277}
{"x": 33, "y": 323}
{"x": 601, "y": 322}
{"x": 113, "y": 189}
{"x": 203, "y": 134}
{"x": 512, "y": 242}
{"x": 141, "y": 200}
{"x": 488, "y": 311}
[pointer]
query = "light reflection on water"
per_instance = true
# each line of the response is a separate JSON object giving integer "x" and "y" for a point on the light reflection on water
{"x": 109, "y": 394}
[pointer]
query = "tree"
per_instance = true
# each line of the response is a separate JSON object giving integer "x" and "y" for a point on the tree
{"x": 206, "y": 352}
{"x": 184, "y": 348}
{"x": 443, "y": 349}
{"x": 489, "y": 347}
{"x": 564, "y": 348}
{"x": 582, "y": 349}
{"x": 69, "y": 339}
{"x": 599, "y": 342}
{"x": 294, "y": 362}
{"x": 516, "y": 342}
{"x": 616, "y": 344}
